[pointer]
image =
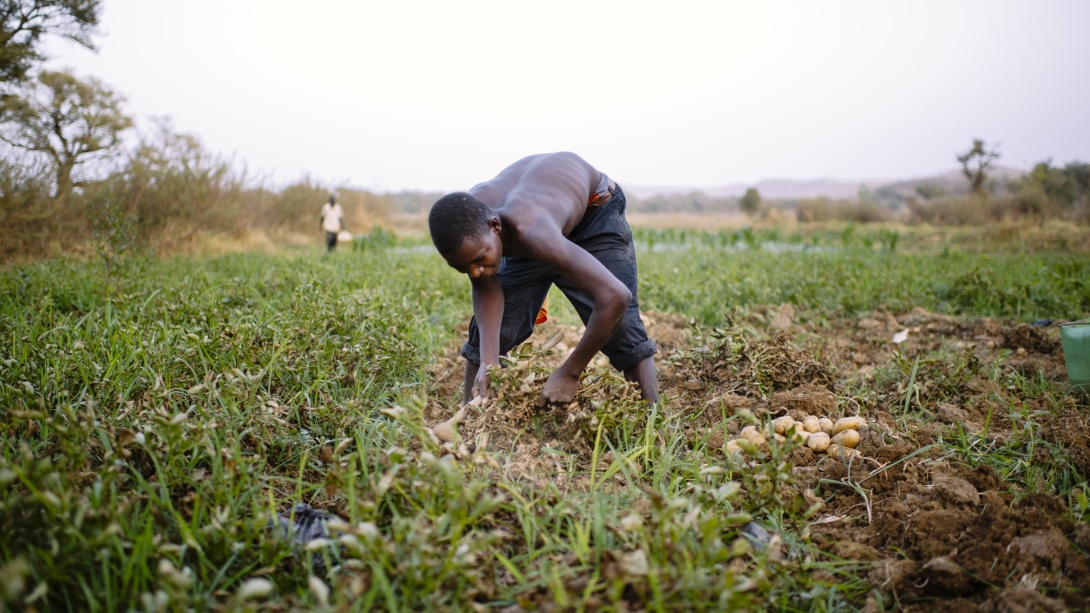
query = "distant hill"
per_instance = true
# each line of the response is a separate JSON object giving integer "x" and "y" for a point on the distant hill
{"x": 951, "y": 182}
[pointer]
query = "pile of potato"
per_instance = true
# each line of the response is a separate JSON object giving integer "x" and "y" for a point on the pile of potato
{"x": 837, "y": 439}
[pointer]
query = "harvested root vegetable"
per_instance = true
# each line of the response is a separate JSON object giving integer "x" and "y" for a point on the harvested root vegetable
{"x": 447, "y": 431}
{"x": 849, "y": 423}
{"x": 781, "y": 424}
{"x": 811, "y": 424}
{"x": 843, "y": 453}
{"x": 826, "y": 425}
{"x": 733, "y": 447}
{"x": 751, "y": 434}
{"x": 799, "y": 434}
{"x": 818, "y": 441}
{"x": 848, "y": 438}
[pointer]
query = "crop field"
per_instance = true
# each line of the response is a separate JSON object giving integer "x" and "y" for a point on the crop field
{"x": 160, "y": 424}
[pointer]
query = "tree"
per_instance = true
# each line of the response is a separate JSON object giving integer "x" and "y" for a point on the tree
{"x": 68, "y": 120}
{"x": 975, "y": 163}
{"x": 24, "y": 22}
{"x": 929, "y": 191}
{"x": 1051, "y": 187}
{"x": 169, "y": 178}
{"x": 751, "y": 202}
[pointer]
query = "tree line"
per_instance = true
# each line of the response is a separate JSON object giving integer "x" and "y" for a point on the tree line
{"x": 77, "y": 173}
{"x": 1047, "y": 192}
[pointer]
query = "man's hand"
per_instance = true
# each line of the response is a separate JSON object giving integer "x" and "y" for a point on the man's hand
{"x": 481, "y": 383}
{"x": 560, "y": 389}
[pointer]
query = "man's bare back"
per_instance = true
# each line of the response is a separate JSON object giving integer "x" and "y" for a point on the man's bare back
{"x": 533, "y": 210}
{"x": 551, "y": 185}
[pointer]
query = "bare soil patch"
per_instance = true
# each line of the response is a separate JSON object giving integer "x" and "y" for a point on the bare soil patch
{"x": 937, "y": 532}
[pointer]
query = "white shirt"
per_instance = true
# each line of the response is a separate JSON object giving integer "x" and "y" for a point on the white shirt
{"x": 331, "y": 217}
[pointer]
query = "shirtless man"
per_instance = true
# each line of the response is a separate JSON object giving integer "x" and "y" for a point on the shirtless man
{"x": 546, "y": 219}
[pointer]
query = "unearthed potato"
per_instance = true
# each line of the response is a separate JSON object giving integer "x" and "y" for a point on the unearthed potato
{"x": 732, "y": 447}
{"x": 779, "y": 438}
{"x": 848, "y": 438}
{"x": 849, "y": 423}
{"x": 798, "y": 434}
{"x": 818, "y": 441}
{"x": 781, "y": 424}
{"x": 843, "y": 453}
{"x": 751, "y": 434}
{"x": 811, "y": 424}
{"x": 826, "y": 425}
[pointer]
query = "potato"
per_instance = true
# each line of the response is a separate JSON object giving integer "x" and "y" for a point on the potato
{"x": 798, "y": 433}
{"x": 732, "y": 447}
{"x": 751, "y": 434}
{"x": 818, "y": 441}
{"x": 826, "y": 425}
{"x": 781, "y": 424}
{"x": 848, "y": 438}
{"x": 843, "y": 453}
{"x": 849, "y": 423}
{"x": 811, "y": 424}
{"x": 779, "y": 438}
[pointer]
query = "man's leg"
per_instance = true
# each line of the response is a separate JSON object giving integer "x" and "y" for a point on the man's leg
{"x": 646, "y": 377}
{"x": 525, "y": 285}
{"x": 629, "y": 350}
{"x": 471, "y": 376}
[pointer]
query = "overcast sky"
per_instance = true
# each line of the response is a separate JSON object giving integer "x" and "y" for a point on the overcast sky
{"x": 441, "y": 94}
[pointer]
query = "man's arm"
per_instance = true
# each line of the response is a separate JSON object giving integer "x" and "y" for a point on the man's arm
{"x": 611, "y": 299}
{"x": 488, "y": 308}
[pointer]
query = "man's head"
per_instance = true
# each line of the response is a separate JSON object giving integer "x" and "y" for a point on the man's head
{"x": 332, "y": 199}
{"x": 466, "y": 234}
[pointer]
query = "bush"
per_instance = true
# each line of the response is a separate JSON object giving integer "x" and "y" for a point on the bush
{"x": 28, "y": 216}
{"x": 858, "y": 211}
{"x": 377, "y": 238}
{"x": 950, "y": 211}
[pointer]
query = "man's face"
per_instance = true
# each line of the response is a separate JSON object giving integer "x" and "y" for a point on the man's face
{"x": 478, "y": 256}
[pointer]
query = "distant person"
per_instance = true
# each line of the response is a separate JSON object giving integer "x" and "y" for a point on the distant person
{"x": 548, "y": 219}
{"x": 332, "y": 222}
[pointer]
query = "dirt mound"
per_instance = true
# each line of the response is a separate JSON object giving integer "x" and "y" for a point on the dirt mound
{"x": 731, "y": 362}
{"x": 937, "y": 531}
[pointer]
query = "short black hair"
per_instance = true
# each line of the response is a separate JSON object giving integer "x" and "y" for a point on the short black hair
{"x": 456, "y": 217}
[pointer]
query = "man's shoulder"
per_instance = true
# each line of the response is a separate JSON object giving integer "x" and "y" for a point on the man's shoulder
{"x": 534, "y": 228}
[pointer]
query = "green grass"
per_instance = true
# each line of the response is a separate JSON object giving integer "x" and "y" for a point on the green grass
{"x": 152, "y": 429}
{"x": 708, "y": 283}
